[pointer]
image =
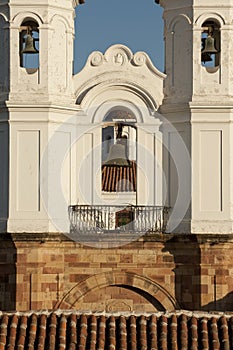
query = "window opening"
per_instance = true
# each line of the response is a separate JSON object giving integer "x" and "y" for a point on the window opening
{"x": 29, "y": 45}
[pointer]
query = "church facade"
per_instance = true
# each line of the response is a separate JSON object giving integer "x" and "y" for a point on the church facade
{"x": 116, "y": 185}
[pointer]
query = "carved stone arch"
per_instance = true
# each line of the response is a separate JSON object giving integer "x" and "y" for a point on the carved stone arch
{"x": 60, "y": 18}
{"x": 140, "y": 284}
{"x": 210, "y": 15}
{"x": 85, "y": 96}
{"x": 103, "y": 109}
{"x": 22, "y": 16}
{"x": 176, "y": 19}
{"x": 4, "y": 17}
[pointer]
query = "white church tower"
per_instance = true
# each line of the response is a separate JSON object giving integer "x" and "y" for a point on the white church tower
{"x": 36, "y": 96}
{"x": 198, "y": 102}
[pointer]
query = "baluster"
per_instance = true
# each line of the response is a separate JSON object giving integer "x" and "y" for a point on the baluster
{"x": 157, "y": 225}
{"x": 153, "y": 219}
{"x": 153, "y": 222}
{"x": 82, "y": 221}
{"x": 77, "y": 217}
{"x": 139, "y": 219}
{"x": 147, "y": 221}
{"x": 143, "y": 218}
{"x": 107, "y": 219}
{"x": 150, "y": 219}
{"x": 90, "y": 218}
{"x": 74, "y": 219}
{"x": 160, "y": 219}
{"x": 94, "y": 218}
{"x": 155, "y": 228}
{"x": 135, "y": 219}
{"x": 87, "y": 218}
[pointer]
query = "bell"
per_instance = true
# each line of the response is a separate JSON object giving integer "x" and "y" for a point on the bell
{"x": 209, "y": 46}
{"x": 30, "y": 45}
{"x": 117, "y": 156}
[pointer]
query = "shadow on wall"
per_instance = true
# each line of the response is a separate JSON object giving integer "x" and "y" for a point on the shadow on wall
{"x": 7, "y": 273}
{"x": 4, "y": 117}
{"x": 187, "y": 258}
{"x": 224, "y": 304}
{"x": 4, "y": 172}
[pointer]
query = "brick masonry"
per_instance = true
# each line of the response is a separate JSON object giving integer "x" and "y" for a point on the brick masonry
{"x": 157, "y": 272}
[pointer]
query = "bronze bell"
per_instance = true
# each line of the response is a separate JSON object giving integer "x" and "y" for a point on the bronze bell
{"x": 117, "y": 156}
{"x": 209, "y": 46}
{"x": 30, "y": 45}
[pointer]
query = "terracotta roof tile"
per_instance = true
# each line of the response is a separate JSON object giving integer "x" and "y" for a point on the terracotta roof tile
{"x": 73, "y": 330}
{"x": 193, "y": 333}
{"x": 32, "y": 332}
{"x": 119, "y": 178}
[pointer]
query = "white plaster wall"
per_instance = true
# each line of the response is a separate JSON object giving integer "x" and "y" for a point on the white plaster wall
{"x": 212, "y": 169}
{"x": 41, "y": 177}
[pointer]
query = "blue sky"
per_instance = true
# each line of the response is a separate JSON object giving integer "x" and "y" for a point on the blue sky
{"x": 135, "y": 23}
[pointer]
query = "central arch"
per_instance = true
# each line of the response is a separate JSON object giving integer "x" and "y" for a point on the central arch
{"x": 149, "y": 289}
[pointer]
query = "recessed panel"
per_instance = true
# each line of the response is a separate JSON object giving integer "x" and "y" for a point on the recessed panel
{"x": 210, "y": 170}
{"x": 28, "y": 158}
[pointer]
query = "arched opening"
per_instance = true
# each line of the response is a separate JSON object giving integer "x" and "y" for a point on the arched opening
{"x": 29, "y": 44}
{"x": 113, "y": 23}
{"x": 119, "y": 135}
{"x": 211, "y": 43}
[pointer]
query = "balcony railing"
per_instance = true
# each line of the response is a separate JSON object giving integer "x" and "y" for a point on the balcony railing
{"x": 119, "y": 218}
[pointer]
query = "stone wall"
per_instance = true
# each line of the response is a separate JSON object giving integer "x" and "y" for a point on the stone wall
{"x": 157, "y": 272}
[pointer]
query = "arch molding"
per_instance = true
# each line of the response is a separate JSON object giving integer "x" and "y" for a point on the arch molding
{"x": 130, "y": 280}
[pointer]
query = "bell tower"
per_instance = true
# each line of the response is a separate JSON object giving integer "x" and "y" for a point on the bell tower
{"x": 36, "y": 94}
{"x": 198, "y": 102}
{"x": 45, "y": 74}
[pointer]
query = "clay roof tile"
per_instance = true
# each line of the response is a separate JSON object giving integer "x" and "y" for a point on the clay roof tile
{"x": 73, "y": 330}
{"x": 119, "y": 178}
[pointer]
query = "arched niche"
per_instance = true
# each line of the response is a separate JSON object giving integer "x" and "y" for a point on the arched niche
{"x": 211, "y": 43}
{"x": 59, "y": 57}
{"x": 181, "y": 35}
{"x": 29, "y": 44}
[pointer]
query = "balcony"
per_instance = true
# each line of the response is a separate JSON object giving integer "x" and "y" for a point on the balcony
{"x": 119, "y": 218}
